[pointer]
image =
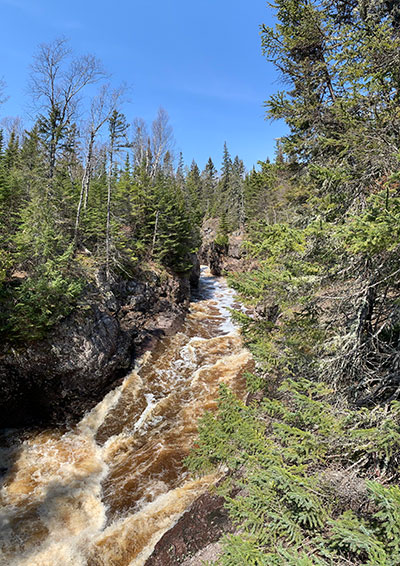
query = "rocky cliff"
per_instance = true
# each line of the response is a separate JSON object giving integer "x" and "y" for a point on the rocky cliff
{"x": 57, "y": 379}
{"x": 222, "y": 257}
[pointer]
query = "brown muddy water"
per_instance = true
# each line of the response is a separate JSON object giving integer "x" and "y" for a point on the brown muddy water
{"x": 104, "y": 492}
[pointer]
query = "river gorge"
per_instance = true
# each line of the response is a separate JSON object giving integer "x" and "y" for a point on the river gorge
{"x": 104, "y": 491}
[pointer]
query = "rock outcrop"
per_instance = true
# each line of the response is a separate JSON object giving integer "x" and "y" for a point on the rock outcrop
{"x": 57, "y": 379}
{"x": 203, "y": 524}
{"x": 221, "y": 257}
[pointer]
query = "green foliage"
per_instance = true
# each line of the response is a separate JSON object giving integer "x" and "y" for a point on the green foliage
{"x": 274, "y": 240}
{"x": 387, "y": 516}
{"x": 254, "y": 382}
{"x": 351, "y": 535}
{"x": 38, "y": 302}
{"x": 273, "y": 452}
{"x": 378, "y": 228}
{"x": 323, "y": 295}
{"x": 222, "y": 236}
{"x": 127, "y": 216}
{"x": 174, "y": 237}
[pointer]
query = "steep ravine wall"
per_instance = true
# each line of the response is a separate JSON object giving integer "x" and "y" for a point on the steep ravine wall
{"x": 221, "y": 258}
{"x": 57, "y": 379}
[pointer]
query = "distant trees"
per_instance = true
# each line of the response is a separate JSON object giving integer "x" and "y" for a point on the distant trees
{"x": 210, "y": 178}
{"x": 224, "y": 195}
{"x": 84, "y": 190}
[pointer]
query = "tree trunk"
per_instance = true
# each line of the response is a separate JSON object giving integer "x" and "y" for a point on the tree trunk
{"x": 108, "y": 226}
{"x": 85, "y": 186}
{"x": 155, "y": 233}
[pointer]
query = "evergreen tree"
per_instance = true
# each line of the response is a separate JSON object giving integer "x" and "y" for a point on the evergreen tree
{"x": 340, "y": 61}
{"x": 11, "y": 153}
{"x": 68, "y": 207}
{"x": 236, "y": 208}
{"x": 194, "y": 192}
{"x": 209, "y": 178}
{"x": 180, "y": 171}
{"x": 117, "y": 140}
{"x": 226, "y": 174}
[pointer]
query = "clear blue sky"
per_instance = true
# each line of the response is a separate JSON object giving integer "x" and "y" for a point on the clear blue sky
{"x": 201, "y": 61}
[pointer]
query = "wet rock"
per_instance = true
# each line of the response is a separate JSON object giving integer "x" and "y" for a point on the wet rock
{"x": 57, "y": 379}
{"x": 216, "y": 253}
{"x": 195, "y": 272}
{"x": 204, "y": 523}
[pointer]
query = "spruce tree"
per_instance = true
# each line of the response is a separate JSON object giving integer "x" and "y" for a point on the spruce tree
{"x": 194, "y": 192}
{"x": 117, "y": 140}
{"x": 209, "y": 178}
{"x": 236, "y": 208}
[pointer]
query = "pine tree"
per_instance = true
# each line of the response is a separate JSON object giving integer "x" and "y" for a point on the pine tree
{"x": 11, "y": 153}
{"x": 226, "y": 174}
{"x": 180, "y": 171}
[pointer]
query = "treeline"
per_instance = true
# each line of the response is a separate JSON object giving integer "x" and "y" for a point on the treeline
{"x": 315, "y": 458}
{"x": 85, "y": 192}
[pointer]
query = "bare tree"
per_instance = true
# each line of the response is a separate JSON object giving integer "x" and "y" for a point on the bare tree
{"x": 140, "y": 144}
{"x": 14, "y": 124}
{"x": 56, "y": 83}
{"x": 102, "y": 108}
{"x": 162, "y": 140}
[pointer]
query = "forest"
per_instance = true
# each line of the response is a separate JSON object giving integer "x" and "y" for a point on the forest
{"x": 313, "y": 457}
{"x": 84, "y": 190}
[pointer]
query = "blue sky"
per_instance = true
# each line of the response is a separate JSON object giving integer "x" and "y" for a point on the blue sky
{"x": 201, "y": 61}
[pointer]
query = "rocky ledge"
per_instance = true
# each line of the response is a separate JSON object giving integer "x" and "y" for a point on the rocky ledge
{"x": 195, "y": 536}
{"x": 57, "y": 379}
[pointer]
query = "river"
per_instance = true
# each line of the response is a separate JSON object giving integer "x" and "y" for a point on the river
{"x": 104, "y": 492}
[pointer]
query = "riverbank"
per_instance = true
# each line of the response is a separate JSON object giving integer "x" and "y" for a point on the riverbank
{"x": 56, "y": 379}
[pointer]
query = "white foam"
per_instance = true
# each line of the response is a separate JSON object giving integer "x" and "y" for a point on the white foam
{"x": 150, "y": 404}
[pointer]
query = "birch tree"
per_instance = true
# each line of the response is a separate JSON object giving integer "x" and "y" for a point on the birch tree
{"x": 140, "y": 145}
{"x": 101, "y": 110}
{"x": 56, "y": 83}
{"x": 162, "y": 140}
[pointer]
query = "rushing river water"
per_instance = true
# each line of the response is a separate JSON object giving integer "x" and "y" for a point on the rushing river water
{"x": 105, "y": 491}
